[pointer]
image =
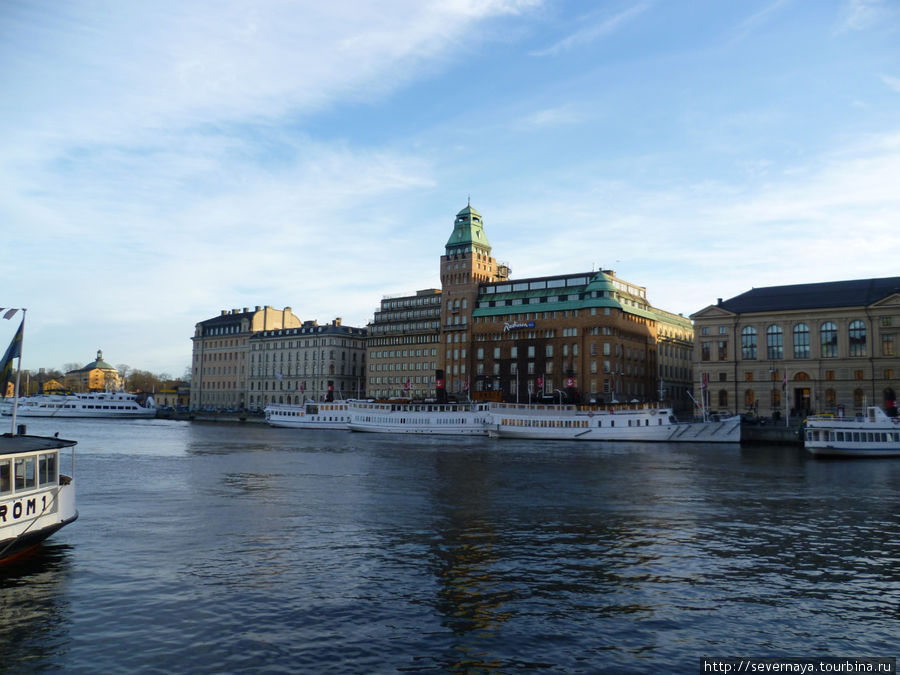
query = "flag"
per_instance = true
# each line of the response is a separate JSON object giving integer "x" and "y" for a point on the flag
{"x": 704, "y": 382}
{"x": 12, "y": 352}
{"x": 10, "y": 313}
{"x": 407, "y": 385}
{"x": 466, "y": 387}
{"x": 784, "y": 381}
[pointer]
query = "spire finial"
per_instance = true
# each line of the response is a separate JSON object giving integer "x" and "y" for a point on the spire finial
{"x": 469, "y": 200}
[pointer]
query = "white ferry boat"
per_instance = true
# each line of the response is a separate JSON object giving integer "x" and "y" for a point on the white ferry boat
{"x": 451, "y": 419}
{"x": 569, "y": 422}
{"x": 35, "y": 498}
{"x": 310, "y": 415}
{"x": 98, "y": 404}
{"x": 871, "y": 435}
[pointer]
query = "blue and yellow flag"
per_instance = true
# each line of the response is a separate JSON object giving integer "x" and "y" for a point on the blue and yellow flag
{"x": 12, "y": 352}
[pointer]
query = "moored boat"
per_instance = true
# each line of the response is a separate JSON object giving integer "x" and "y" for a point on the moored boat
{"x": 93, "y": 404}
{"x": 310, "y": 415}
{"x": 449, "y": 419}
{"x": 575, "y": 423}
{"x": 871, "y": 435}
{"x": 35, "y": 498}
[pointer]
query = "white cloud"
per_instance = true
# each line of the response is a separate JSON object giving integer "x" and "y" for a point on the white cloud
{"x": 595, "y": 30}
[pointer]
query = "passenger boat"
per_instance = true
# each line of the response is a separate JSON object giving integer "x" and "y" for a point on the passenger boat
{"x": 95, "y": 404}
{"x": 871, "y": 435}
{"x": 35, "y": 498}
{"x": 451, "y": 419}
{"x": 574, "y": 423}
{"x": 310, "y": 415}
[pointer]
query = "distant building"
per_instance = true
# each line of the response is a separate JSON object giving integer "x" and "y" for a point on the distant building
{"x": 823, "y": 347}
{"x": 312, "y": 361}
{"x": 220, "y": 360}
{"x": 98, "y": 375}
{"x": 402, "y": 346}
{"x": 579, "y": 337}
{"x": 176, "y": 396}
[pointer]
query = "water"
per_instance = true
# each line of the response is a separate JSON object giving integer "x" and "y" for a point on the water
{"x": 220, "y": 548}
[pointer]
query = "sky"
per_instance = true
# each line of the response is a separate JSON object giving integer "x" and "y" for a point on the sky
{"x": 162, "y": 161}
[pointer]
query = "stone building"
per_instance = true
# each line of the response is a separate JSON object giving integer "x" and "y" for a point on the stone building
{"x": 98, "y": 375}
{"x": 310, "y": 362}
{"x": 585, "y": 336}
{"x": 220, "y": 360}
{"x": 402, "y": 346}
{"x": 822, "y": 347}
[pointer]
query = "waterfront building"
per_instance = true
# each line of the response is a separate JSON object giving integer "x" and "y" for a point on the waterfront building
{"x": 579, "y": 337}
{"x": 98, "y": 375}
{"x": 219, "y": 364}
{"x": 402, "y": 345}
{"x": 309, "y": 362}
{"x": 467, "y": 263}
{"x": 821, "y": 347}
{"x": 588, "y": 337}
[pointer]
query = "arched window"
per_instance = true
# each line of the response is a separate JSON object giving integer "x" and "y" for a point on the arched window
{"x": 774, "y": 342}
{"x": 749, "y": 399}
{"x": 723, "y": 398}
{"x": 801, "y": 377}
{"x": 857, "y": 338}
{"x": 801, "y": 341}
{"x": 828, "y": 340}
{"x": 748, "y": 342}
{"x": 858, "y": 398}
{"x": 830, "y": 399}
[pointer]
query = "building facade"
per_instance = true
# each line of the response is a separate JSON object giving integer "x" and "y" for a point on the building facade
{"x": 310, "y": 362}
{"x": 402, "y": 346}
{"x": 574, "y": 337}
{"x": 220, "y": 359}
{"x": 580, "y": 338}
{"x": 823, "y": 347}
{"x": 98, "y": 375}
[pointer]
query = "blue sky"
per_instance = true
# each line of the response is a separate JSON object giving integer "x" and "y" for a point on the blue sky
{"x": 164, "y": 161}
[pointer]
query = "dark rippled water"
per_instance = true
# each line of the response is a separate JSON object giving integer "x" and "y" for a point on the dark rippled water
{"x": 219, "y": 548}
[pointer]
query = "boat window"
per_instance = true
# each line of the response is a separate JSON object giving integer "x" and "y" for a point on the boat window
{"x": 25, "y": 478}
{"x": 5, "y": 481}
{"x": 47, "y": 469}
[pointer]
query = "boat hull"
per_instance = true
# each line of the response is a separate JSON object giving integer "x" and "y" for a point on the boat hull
{"x": 700, "y": 432}
{"x": 568, "y": 423}
{"x": 421, "y": 419}
{"x": 872, "y": 435}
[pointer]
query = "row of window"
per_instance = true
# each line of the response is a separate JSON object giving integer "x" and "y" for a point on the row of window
{"x": 27, "y": 473}
{"x": 857, "y": 336}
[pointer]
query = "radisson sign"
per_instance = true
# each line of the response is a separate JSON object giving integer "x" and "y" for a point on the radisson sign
{"x": 517, "y": 325}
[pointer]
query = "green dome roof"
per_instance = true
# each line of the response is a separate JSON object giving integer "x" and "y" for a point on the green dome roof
{"x": 99, "y": 363}
{"x": 468, "y": 230}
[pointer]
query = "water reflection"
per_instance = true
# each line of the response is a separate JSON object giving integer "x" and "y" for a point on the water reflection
{"x": 34, "y": 609}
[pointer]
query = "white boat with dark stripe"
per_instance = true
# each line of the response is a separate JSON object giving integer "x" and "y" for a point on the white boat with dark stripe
{"x": 311, "y": 415}
{"x": 874, "y": 434}
{"x": 447, "y": 419}
{"x": 36, "y": 499}
{"x": 631, "y": 423}
{"x": 94, "y": 404}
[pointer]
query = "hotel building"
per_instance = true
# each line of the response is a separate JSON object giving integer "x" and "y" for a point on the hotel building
{"x": 576, "y": 337}
{"x": 823, "y": 347}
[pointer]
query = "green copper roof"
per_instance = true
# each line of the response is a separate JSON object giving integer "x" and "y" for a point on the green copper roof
{"x": 468, "y": 231}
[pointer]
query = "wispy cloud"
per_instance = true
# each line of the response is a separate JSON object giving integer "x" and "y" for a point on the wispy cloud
{"x": 596, "y": 30}
{"x": 552, "y": 117}
{"x": 864, "y": 14}
{"x": 892, "y": 82}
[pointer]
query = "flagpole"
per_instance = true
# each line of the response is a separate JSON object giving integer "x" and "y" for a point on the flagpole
{"x": 18, "y": 374}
